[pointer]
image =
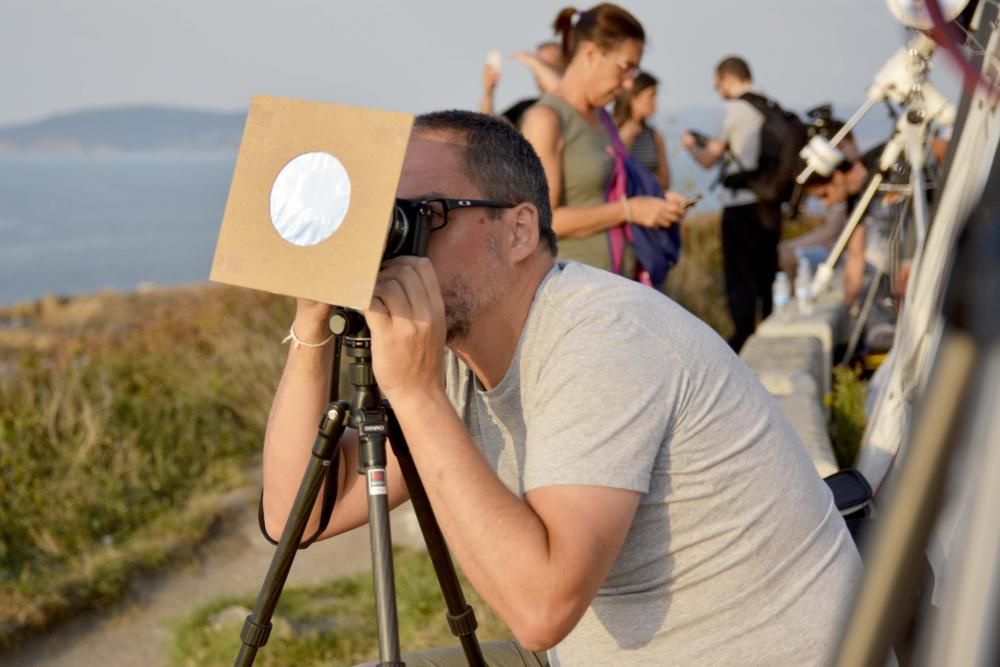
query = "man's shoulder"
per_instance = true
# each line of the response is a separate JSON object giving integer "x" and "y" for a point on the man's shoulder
{"x": 577, "y": 287}
{"x": 578, "y": 300}
{"x": 743, "y": 110}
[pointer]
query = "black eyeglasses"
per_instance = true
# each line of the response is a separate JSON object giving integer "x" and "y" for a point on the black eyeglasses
{"x": 436, "y": 210}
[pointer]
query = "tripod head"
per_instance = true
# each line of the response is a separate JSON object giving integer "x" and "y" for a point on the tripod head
{"x": 351, "y": 330}
{"x": 902, "y": 80}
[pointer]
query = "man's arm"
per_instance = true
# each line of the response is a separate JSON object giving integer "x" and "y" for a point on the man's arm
{"x": 302, "y": 394}
{"x": 707, "y": 155}
{"x": 539, "y": 560}
{"x": 854, "y": 265}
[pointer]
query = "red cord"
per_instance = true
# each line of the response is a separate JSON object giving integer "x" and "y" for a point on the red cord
{"x": 949, "y": 37}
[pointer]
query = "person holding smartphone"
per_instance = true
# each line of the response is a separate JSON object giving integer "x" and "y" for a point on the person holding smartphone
{"x": 602, "y": 48}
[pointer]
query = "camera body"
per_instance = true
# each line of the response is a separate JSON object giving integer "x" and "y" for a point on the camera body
{"x": 822, "y": 122}
{"x": 700, "y": 140}
{"x": 408, "y": 230}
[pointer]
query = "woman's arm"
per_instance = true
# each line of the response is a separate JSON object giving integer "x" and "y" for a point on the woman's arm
{"x": 491, "y": 78}
{"x": 543, "y": 131}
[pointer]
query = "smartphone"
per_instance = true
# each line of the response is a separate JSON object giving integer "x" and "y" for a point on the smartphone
{"x": 495, "y": 60}
{"x": 691, "y": 201}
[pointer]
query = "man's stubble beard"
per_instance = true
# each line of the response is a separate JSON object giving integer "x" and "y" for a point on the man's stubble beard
{"x": 463, "y": 303}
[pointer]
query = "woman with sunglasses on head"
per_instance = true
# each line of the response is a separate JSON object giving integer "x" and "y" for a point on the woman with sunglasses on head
{"x": 602, "y": 48}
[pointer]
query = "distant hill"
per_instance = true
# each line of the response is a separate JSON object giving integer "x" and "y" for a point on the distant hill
{"x": 157, "y": 128}
{"x": 141, "y": 128}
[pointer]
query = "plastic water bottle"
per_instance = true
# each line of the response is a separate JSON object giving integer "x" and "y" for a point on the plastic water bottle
{"x": 781, "y": 294}
{"x": 803, "y": 286}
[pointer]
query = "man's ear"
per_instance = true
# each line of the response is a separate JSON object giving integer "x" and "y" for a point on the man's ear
{"x": 524, "y": 231}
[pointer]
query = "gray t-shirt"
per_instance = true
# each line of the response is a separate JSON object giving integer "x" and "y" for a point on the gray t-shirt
{"x": 736, "y": 554}
{"x": 741, "y": 130}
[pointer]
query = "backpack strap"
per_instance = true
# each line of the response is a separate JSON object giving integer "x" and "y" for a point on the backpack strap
{"x": 616, "y": 141}
{"x": 759, "y": 102}
{"x": 739, "y": 179}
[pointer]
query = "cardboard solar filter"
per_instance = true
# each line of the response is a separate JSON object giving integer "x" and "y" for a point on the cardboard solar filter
{"x": 311, "y": 200}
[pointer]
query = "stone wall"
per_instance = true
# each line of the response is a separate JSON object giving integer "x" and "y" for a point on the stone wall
{"x": 792, "y": 355}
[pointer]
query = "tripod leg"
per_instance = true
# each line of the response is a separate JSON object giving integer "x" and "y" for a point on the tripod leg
{"x": 866, "y": 310}
{"x": 257, "y": 627}
{"x": 461, "y": 617}
{"x": 372, "y": 430}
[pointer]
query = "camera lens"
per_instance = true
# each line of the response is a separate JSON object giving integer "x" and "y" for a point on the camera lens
{"x": 399, "y": 230}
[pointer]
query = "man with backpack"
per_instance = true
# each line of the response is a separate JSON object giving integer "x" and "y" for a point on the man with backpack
{"x": 758, "y": 149}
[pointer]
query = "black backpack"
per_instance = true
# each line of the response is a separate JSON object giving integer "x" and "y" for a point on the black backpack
{"x": 782, "y": 136}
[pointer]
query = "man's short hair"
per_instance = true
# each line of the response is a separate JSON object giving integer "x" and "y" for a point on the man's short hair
{"x": 498, "y": 161}
{"x": 734, "y": 66}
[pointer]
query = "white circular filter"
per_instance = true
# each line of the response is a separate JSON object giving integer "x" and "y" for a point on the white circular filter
{"x": 310, "y": 198}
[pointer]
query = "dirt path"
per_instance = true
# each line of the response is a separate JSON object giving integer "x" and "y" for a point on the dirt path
{"x": 135, "y": 632}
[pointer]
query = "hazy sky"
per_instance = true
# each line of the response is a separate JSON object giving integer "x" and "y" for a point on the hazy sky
{"x": 417, "y": 55}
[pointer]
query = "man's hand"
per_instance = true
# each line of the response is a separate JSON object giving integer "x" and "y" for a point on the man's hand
{"x": 407, "y": 323}
{"x": 706, "y": 154}
{"x": 688, "y": 141}
{"x": 657, "y": 212}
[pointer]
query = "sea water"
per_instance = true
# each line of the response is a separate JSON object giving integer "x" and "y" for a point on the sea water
{"x": 72, "y": 224}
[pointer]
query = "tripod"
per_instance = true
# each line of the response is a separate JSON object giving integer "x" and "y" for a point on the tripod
{"x": 903, "y": 80}
{"x": 374, "y": 421}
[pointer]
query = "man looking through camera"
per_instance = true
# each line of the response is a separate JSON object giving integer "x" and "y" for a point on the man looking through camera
{"x": 613, "y": 481}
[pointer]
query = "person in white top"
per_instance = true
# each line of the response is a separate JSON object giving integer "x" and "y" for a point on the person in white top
{"x": 750, "y": 229}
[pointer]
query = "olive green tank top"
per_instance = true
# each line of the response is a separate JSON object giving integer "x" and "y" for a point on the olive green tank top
{"x": 586, "y": 168}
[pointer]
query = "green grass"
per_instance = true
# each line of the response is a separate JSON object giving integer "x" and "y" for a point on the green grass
{"x": 697, "y": 282}
{"x": 329, "y": 624}
{"x": 847, "y": 415}
{"x": 112, "y": 444}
